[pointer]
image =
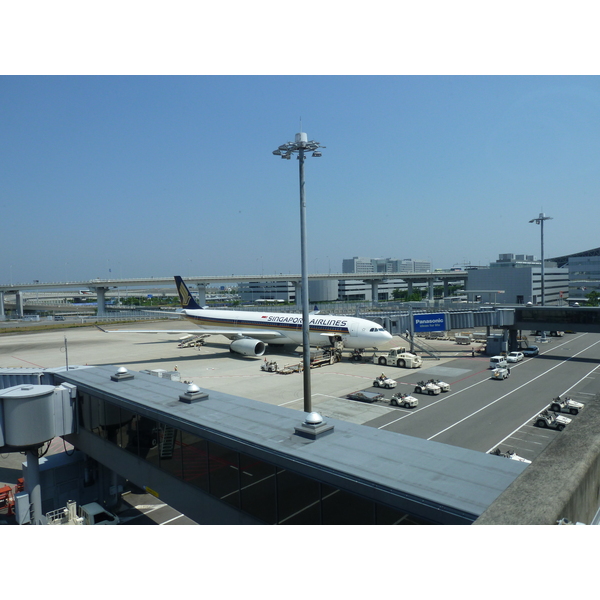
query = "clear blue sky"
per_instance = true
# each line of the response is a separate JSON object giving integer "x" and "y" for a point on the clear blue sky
{"x": 135, "y": 176}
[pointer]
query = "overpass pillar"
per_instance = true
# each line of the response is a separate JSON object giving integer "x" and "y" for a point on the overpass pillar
{"x": 430, "y": 291}
{"x": 201, "y": 287}
{"x": 409, "y": 287}
{"x": 375, "y": 290}
{"x": 2, "y": 313}
{"x": 101, "y": 296}
{"x": 19, "y": 304}
{"x": 446, "y": 288}
{"x": 298, "y": 292}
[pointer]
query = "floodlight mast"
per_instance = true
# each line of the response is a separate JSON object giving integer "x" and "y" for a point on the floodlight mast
{"x": 302, "y": 145}
{"x": 540, "y": 221}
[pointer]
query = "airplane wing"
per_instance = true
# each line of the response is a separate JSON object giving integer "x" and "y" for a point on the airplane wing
{"x": 229, "y": 333}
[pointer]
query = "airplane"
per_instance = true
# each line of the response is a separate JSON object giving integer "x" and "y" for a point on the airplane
{"x": 250, "y": 331}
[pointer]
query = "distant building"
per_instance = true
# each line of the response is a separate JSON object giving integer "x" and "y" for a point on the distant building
{"x": 385, "y": 265}
{"x": 260, "y": 292}
{"x": 517, "y": 279}
{"x": 252, "y": 291}
{"x": 584, "y": 277}
{"x": 357, "y": 265}
{"x": 519, "y": 260}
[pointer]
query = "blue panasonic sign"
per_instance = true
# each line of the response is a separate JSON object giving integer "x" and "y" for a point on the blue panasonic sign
{"x": 432, "y": 322}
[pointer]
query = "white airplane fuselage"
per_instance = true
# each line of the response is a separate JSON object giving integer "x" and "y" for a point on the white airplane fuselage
{"x": 352, "y": 331}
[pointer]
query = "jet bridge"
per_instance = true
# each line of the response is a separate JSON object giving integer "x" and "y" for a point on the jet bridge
{"x": 224, "y": 459}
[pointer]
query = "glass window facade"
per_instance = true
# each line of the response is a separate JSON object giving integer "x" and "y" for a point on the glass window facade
{"x": 267, "y": 492}
{"x": 559, "y": 316}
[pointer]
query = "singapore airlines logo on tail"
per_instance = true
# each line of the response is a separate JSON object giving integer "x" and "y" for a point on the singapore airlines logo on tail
{"x": 184, "y": 294}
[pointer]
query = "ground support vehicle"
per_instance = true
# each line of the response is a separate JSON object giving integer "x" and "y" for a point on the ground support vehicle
{"x": 357, "y": 354}
{"x": 384, "y": 382}
{"x": 7, "y": 500}
{"x": 566, "y": 405}
{"x": 269, "y": 366}
{"x": 399, "y": 357}
{"x": 365, "y": 396}
{"x": 86, "y": 514}
{"x": 497, "y": 362}
{"x": 191, "y": 341}
{"x": 500, "y": 373}
{"x": 445, "y": 387}
{"x": 287, "y": 369}
{"x": 324, "y": 357}
{"x": 290, "y": 369}
{"x": 550, "y": 420}
{"x": 404, "y": 400}
{"x": 427, "y": 388}
{"x": 462, "y": 338}
{"x": 509, "y": 454}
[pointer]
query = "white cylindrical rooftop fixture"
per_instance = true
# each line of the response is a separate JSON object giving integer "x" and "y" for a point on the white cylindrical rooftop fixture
{"x": 193, "y": 394}
{"x": 313, "y": 427}
{"x": 122, "y": 374}
{"x": 301, "y": 137}
{"x": 313, "y": 418}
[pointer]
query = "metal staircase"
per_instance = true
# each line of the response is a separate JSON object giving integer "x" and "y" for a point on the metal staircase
{"x": 421, "y": 345}
{"x": 167, "y": 443}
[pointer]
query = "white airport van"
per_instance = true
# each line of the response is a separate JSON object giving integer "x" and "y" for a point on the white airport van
{"x": 498, "y": 362}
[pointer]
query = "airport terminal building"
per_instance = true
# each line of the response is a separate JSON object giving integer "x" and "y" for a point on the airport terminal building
{"x": 517, "y": 279}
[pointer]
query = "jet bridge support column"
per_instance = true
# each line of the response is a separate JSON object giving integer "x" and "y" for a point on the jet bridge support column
{"x": 32, "y": 485}
{"x": 513, "y": 343}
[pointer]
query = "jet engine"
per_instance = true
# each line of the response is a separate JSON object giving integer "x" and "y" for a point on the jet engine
{"x": 248, "y": 347}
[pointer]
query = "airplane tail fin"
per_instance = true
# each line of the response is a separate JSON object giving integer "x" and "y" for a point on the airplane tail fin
{"x": 185, "y": 297}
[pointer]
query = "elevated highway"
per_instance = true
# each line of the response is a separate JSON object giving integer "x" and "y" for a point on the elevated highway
{"x": 101, "y": 286}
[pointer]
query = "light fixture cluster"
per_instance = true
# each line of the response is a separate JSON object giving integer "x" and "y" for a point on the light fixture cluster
{"x": 301, "y": 143}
